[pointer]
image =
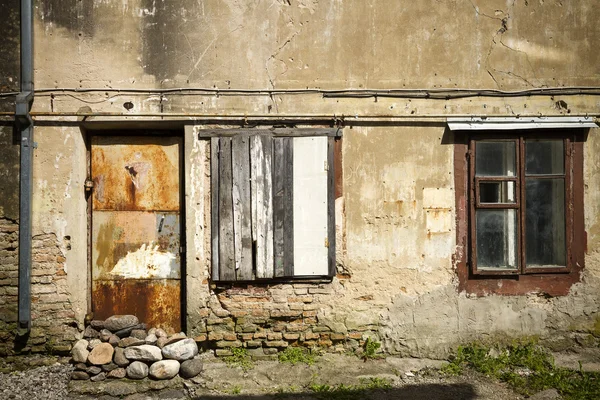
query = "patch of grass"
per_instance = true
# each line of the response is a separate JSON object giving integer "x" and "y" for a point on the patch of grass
{"x": 370, "y": 350}
{"x": 239, "y": 358}
{"x": 295, "y": 355}
{"x": 527, "y": 367}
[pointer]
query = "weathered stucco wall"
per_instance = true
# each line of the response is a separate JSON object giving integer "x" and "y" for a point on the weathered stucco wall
{"x": 396, "y": 220}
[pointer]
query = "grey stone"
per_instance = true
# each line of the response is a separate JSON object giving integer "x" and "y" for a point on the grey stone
{"x": 175, "y": 338}
{"x": 98, "y": 378}
{"x": 81, "y": 366}
{"x": 161, "y": 341}
{"x": 131, "y": 341}
{"x": 119, "y": 357}
{"x": 127, "y": 331}
{"x": 549, "y": 394}
{"x": 93, "y": 370}
{"x": 97, "y": 324}
{"x": 144, "y": 352}
{"x": 117, "y": 373}
{"x": 160, "y": 333}
{"x": 165, "y": 369}
{"x": 191, "y": 368}
{"x": 90, "y": 333}
{"x": 102, "y": 354}
{"x": 139, "y": 334}
{"x": 181, "y": 350}
{"x": 105, "y": 335}
{"x": 151, "y": 339}
{"x": 109, "y": 367}
{"x": 79, "y": 376}
{"x": 93, "y": 343}
{"x": 137, "y": 370}
{"x": 114, "y": 340}
{"x": 152, "y": 331}
{"x": 119, "y": 322}
{"x": 79, "y": 352}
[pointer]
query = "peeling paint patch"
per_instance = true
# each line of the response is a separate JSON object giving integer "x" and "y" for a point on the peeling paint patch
{"x": 144, "y": 263}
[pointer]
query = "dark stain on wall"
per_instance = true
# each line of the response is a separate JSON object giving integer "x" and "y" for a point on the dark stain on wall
{"x": 9, "y": 45}
{"x": 9, "y": 174}
{"x": 75, "y": 15}
{"x": 166, "y": 52}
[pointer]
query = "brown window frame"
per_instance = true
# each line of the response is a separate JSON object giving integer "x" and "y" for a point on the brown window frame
{"x": 553, "y": 280}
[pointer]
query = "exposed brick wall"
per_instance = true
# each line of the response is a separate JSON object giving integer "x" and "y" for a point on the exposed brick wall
{"x": 53, "y": 320}
{"x": 273, "y": 317}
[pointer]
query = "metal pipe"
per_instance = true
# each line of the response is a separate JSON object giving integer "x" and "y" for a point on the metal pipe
{"x": 24, "y": 124}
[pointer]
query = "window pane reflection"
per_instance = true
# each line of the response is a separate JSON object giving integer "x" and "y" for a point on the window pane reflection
{"x": 495, "y": 158}
{"x": 544, "y": 157}
{"x": 497, "y": 192}
{"x": 496, "y": 240}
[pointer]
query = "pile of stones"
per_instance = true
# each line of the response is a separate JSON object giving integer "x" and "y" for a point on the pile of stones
{"x": 121, "y": 347}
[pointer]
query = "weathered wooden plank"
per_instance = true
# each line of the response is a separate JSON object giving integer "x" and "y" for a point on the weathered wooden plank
{"x": 283, "y": 132}
{"x": 262, "y": 204}
{"x": 331, "y": 191}
{"x": 214, "y": 213}
{"x": 226, "y": 246}
{"x": 283, "y": 211}
{"x": 240, "y": 152}
{"x": 310, "y": 206}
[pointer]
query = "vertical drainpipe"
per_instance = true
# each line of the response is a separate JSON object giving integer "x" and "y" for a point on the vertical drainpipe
{"x": 24, "y": 124}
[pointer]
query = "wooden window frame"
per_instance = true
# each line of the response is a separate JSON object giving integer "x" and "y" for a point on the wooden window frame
{"x": 333, "y": 138}
{"x": 552, "y": 281}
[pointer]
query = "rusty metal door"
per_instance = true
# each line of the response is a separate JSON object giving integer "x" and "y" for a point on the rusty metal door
{"x": 136, "y": 249}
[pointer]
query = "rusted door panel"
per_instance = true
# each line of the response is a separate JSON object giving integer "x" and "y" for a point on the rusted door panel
{"x": 136, "y": 229}
{"x": 135, "y": 244}
{"x": 136, "y": 175}
{"x": 155, "y": 302}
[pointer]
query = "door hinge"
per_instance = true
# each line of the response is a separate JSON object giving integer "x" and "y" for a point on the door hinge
{"x": 327, "y": 242}
{"x": 325, "y": 165}
{"x": 88, "y": 185}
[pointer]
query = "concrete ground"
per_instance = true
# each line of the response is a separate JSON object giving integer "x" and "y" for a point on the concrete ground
{"x": 271, "y": 380}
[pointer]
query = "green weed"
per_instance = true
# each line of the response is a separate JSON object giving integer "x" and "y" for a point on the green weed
{"x": 239, "y": 358}
{"x": 370, "y": 350}
{"x": 295, "y": 355}
{"x": 527, "y": 367}
{"x": 349, "y": 392}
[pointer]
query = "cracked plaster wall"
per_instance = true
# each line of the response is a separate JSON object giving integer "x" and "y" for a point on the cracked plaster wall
{"x": 398, "y": 184}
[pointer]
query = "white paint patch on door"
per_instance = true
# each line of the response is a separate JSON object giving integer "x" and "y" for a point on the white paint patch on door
{"x": 310, "y": 206}
{"x": 147, "y": 262}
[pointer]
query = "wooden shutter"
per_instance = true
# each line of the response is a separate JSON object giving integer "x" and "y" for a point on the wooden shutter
{"x": 272, "y": 207}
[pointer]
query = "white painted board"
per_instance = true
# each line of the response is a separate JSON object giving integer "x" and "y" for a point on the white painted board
{"x": 310, "y": 206}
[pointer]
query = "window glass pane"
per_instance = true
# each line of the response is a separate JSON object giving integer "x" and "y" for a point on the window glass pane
{"x": 496, "y": 239}
{"x": 544, "y": 157}
{"x": 495, "y": 158}
{"x": 545, "y": 222}
{"x": 497, "y": 192}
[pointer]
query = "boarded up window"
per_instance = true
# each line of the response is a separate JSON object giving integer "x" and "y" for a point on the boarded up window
{"x": 272, "y": 204}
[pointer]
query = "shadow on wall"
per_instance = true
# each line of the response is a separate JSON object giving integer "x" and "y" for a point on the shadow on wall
{"x": 9, "y": 47}
{"x": 460, "y": 391}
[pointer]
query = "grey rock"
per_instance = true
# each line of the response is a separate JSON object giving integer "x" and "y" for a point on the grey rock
{"x": 161, "y": 341}
{"x": 139, "y": 334}
{"x": 105, "y": 335}
{"x": 175, "y": 338}
{"x": 90, "y": 333}
{"x": 98, "y": 378}
{"x": 152, "y": 331}
{"x": 117, "y": 373}
{"x": 109, "y": 367}
{"x": 79, "y": 352}
{"x": 181, "y": 350}
{"x": 131, "y": 341}
{"x": 151, "y": 339}
{"x": 144, "y": 352}
{"x": 160, "y": 333}
{"x": 81, "y": 366}
{"x": 79, "y": 376}
{"x": 102, "y": 354}
{"x": 165, "y": 369}
{"x": 127, "y": 331}
{"x": 137, "y": 370}
{"x": 114, "y": 340}
{"x": 119, "y": 322}
{"x": 93, "y": 370}
{"x": 119, "y": 357}
{"x": 191, "y": 368}
{"x": 120, "y": 389}
{"x": 97, "y": 324}
{"x": 549, "y": 394}
{"x": 93, "y": 343}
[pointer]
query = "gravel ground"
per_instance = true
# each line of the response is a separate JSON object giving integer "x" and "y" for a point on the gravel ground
{"x": 41, "y": 383}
